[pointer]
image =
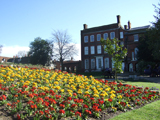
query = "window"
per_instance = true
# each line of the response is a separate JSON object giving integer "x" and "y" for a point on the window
{"x": 92, "y": 50}
{"x": 86, "y": 64}
{"x": 105, "y": 36}
{"x": 122, "y": 43}
{"x": 136, "y": 51}
{"x": 132, "y": 55}
{"x": 104, "y": 49}
{"x": 92, "y": 38}
{"x": 106, "y": 62}
{"x": 113, "y": 63}
{"x": 99, "y": 49}
{"x": 136, "y": 37}
{"x": 121, "y": 35}
{"x": 98, "y": 37}
{"x": 112, "y": 35}
{"x": 65, "y": 68}
{"x": 92, "y": 63}
{"x": 85, "y": 39}
{"x": 85, "y": 50}
{"x": 130, "y": 67}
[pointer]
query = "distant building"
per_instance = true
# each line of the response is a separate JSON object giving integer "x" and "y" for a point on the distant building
{"x": 93, "y": 56}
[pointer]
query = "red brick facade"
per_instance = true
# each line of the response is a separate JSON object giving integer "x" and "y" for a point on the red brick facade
{"x": 97, "y": 62}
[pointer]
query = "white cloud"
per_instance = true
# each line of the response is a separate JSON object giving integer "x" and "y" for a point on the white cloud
{"x": 78, "y": 56}
{"x": 10, "y": 51}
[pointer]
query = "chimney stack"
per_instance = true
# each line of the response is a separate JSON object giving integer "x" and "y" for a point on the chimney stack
{"x": 129, "y": 25}
{"x": 71, "y": 58}
{"x": 85, "y": 26}
{"x": 125, "y": 27}
{"x": 118, "y": 19}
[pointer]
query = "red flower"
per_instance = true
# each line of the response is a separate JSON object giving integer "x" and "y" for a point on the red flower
{"x": 46, "y": 103}
{"x": 88, "y": 112}
{"x": 46, "y": 111}
{"x": 85, "y": 106}
{"x": 41, "y": 112}
{"x": 73, "y": 105}
{"x": 78, "y": 113}
{"x": 74, "y": 94}
{"x": 110, "y": 100}
{"x": 4, "y": 97}
{"x": 18, "y": 117}
{"x": 62, "y": 111}
{"x": 33, "y": 106}
{"x": 39, "y": 99}
{"x": 51, "y": 109}
{"x": 123, "y": 104}
{"x": 52, "y": 101}
{"x": 31, "y": 95}
{"x": 92, "y": 99}
{"x": 96, "y": 109}
{"x": 30, "y": 102}
{"x": 62, "y": 105}
{"x": 58, "y": 96}
{"x": 69, "y": 98}
{"x": 101, "y": 101}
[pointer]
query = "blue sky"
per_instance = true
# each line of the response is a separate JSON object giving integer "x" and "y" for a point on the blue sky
{"x": 21, "y": 21}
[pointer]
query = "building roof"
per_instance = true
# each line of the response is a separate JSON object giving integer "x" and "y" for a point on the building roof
{"x": 101, "y": 28}
{"x": 139, "y": 28}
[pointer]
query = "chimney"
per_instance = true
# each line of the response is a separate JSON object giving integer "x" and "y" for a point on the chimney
{"x": 125, "y": 27}
{"x": 85, "y": 26}
{"x": 118, "y": 19}
{"x": 71, "y": 58}
{"x": 129, "y": 25}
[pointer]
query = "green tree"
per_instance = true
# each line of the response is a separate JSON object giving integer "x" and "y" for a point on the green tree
{"x": 40, "y": 51}
{"x": 118, "y": 52}
{"x": 154, "y": 35}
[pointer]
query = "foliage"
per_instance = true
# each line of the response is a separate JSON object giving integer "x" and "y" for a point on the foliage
{"x": 40, "y": 51}
{"x": 142, "y": 65}
{"x": 63, "y": 46}
{"x": 118, "y": 52}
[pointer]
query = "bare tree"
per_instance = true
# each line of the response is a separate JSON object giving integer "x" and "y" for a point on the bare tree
{"x": 63, "y": 48}
{"x": 1, "y": 48}
{"x": 22, "y": 53}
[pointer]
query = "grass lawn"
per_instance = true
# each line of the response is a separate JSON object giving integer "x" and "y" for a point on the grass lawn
{"x": 148, "y": 112}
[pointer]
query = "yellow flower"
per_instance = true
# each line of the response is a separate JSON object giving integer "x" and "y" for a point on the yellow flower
{"x": 62, "y": 90}
{"x": 57, "y": 87}
{"x": 119, "y": 96}
{"x": 96, "y": 95}
{"x": 105, "y": 99}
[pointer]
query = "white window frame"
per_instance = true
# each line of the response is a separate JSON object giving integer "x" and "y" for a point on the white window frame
{"x": 91, "y": 38}
{"x": 104, "y": 36}
{"x": 99, "y": 49}
{"x": 85, "y": 39}
{"x": 105, "y": 48}
{"x": 135, "y": 51}
{"x": 133, "y": 56}
{"x": 92, "y": 63}
{"x": 106, "y": 62}
{"x": 92, "y": 50}
{"x": 112, "y": 35}
{"x": 85, "y": 50}
{"x": 86, "y": 64}
{"x": 136, "y": 38}
{"x": 98, "y": 37}
{"x": 121, "y": 35}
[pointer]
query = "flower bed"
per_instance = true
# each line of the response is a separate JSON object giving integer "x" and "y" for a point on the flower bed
{"x": 46, "y": 94}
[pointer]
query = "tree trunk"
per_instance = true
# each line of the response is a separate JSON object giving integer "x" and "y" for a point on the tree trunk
{"x": 61, "y": 63}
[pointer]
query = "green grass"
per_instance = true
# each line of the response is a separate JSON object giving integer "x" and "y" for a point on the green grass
{"x": 148, "y": 112}
{"x": 95, "y": 74}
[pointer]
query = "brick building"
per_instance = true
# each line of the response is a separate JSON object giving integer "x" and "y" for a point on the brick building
{"x": 93, "y": 56}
